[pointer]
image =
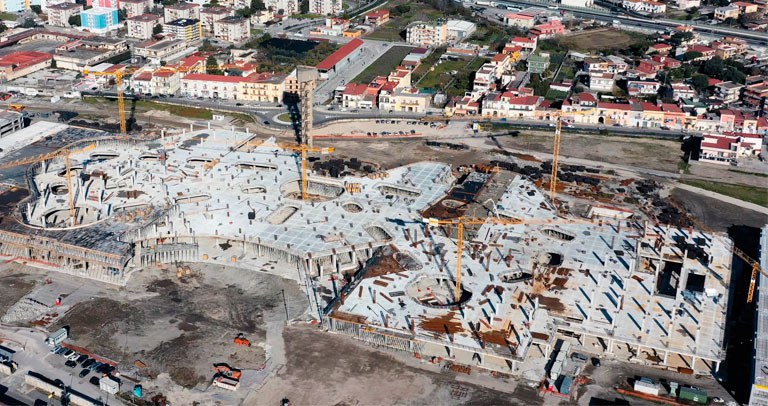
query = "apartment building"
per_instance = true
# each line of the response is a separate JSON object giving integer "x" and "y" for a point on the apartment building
{"x": 210, "y": 86}
{"x": 507, "y": 105}
{"x": 180, "y": 11}
{"x": 161, "y": 81}
{"x": 521, "y": 20}
{"x": 262, "y": 87}
{"x": 724, "y": 13}
{"x": 642, "y": 88}
{"x": 441, "y": 33}
{"x": 209, "y": 15}
{"x": 185, "y": 29}
{"x": 99, "y": 19}
{"x": 728, "y": 92}
{"x": 645, "y": 6}
{"x": 58, "y": 14}
{"x": 284, "y": 7}
{"x": 136, "y": 7}
{"x": 325, "y": 7}
{"x": 142, "y": 26}
{"x": 162, "y": 50}
{"x": 377, "y": 17}
{"x": 232, "y": 29}
{"x": 727, "y": 149}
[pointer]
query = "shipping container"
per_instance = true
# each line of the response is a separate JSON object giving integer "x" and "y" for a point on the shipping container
{"x": 645, "y": 385}
{"x": 694, "y": 395}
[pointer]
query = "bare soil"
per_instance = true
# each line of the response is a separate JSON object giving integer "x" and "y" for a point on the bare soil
{"x": 716, "y": 214}
{"x": 13, "y": 287}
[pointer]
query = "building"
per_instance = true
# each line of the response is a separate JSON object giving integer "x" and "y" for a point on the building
{"x": 90, "y": 51}
{"x": 136, "y": 7}
{"x": 99, "y": 19}
{"x": 377, "y": 17}
{"x": 325, "y": 7}
{"x": 356, "y": 96}
{"x": 334, "y": 27}
{"x": 142, "y": 26}
{"x": 727, "y": 149}
{"x": 10, "y": 121}
{"x": 232, "y": 29}
{"x": 687, "y": 4}
{"x": 724, "y": 13}
{"x": 210, "y": 86}
{"x": 602, "y": 82}
{"x": 507, "y": 105}
{"x": 577, "y": 3}
{"x": 209, "y": 15}
{"x": 459, "y": 30}
{"x": 162, "y": 81}
{"x": 547, "y": 30}
{"x": 109, "y": 384}
{"x": 180, "y": 11}
{"x": 184, "y": 29}
{"x": 642, "y": 88}
{"x": 756, "y": 93}
{"x": 520, "y": 20}
{"x": 410, "y": 100}
{"x": 21, "y": 63}
{"x": 759, "y": 392}
{"x": 426, "y": 35}
{"x": 728, "y": 92}
{"x": 745, "y": 7}
{"x": 682, "y": 91}
{"x": 283, "y": 7}
{"x": 103, "y": 3}
{"x": 12, "y": 6}
{"x": 262, "y": 87}
{"x": 58, "y": 14}
{"x": 162, "y": 50}
{"x": 645, "y": 6}
{"x": 341, "y": 58}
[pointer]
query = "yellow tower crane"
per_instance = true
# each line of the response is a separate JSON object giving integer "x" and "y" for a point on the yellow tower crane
{"x": 118, "y": 75}
{"x": 304, "y": 150}
{"x": 65, "y": 152}
{"x": 556, "y": 149}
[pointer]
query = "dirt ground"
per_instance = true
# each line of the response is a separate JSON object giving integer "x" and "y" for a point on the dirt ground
{"x": 329, "y": 369}
{"x": 13, "y": 286}
{"x": 716, "y": 214}
{"x": 163, "y": 321}
{"x": 598, "y": 39}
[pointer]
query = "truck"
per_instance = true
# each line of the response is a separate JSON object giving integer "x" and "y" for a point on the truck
{"x": 486, "y": 3}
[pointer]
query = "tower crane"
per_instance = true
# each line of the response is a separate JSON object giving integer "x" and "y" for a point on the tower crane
{"x": 118, "y": 75}
{"x": 556, "y": 149}
{"x": 64, "y": 152}
{"x": 304, "y": 150}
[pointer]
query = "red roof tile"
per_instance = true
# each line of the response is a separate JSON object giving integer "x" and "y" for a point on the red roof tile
{"x": 213, "y": 78}
{"x": 336, "y": 57}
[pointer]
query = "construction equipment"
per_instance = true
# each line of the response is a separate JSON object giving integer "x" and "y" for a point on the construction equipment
{"x": 241, "y": 340}
{"x": 556, "y": 149}
{"x": 226, "y": 370}
{"x": 65, "y": 152}
{"x": 118, "y": 75}
{"x": 304, "y": 149}
{"x": 16, "y": 107}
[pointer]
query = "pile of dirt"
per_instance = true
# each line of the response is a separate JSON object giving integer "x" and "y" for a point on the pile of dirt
{"x": 15, "y": 286}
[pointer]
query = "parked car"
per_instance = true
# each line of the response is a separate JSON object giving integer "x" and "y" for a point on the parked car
{"x": 55, "y": 348}
{"x": 67, "y": 353}
{"x": 595, "y": 361}
{"x": 579, "y": 356}
{"x": 70, "y": 363}
{"x": 266, "y": 122}
{"x": 94, "y": 380}
{"x": 60, "y": 351}
{"x": 88, "y": 362}
{"x": 73, "y": 356}
{"x": 81, "y": 359}
{"x": 84, "y": 372}
{"x": 95, "y": 366}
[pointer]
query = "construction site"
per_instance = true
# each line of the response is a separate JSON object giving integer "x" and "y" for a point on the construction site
{"x": 472, "y": 265}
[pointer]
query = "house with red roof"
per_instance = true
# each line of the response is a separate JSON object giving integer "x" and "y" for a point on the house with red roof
{"x": 341, "y": 58}
{"x": 377, "y": 17}
{"x": 521, "y": 20}
{"x": 160, "y": 81}
{"x": 707, "y": 53}
{"x": 356, "y": 96}
{"x": 547, "y": 30}
{"x": 727, "y": 149}
{"x": 526, "y": 44}
{"x": 662, "y": 49}
{"x": 22, "y": 63}
{"x": 210, "y": 86}
{"x": 507, "y": 105}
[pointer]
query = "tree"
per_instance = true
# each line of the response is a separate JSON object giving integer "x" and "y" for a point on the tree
{"x": 207, "y": 46}
{"x": 212, "y": 66}
{"x": 36, "y": 9}
{"x": 157, "y": 29}
{"x": 122, "y": 14}
{"x": 700, "y": 82}
{"x": 28, "y": 23}
{"x": 3, "y": 27}
{"x": 74, "y": 20}
{"x": 692, "y": 55}
{"x": 53, "y": 64}
{"x": 258, "y": 5}
{"x": 679, "y": 37}
{"x": 163, "y": 63}
{"x": 244, "y": 12}
{"x": 169, "y": 2}
{"x": 304, "y": 7}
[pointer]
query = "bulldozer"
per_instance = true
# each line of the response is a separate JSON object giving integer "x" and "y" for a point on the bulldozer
{"x": 241, "y": 340}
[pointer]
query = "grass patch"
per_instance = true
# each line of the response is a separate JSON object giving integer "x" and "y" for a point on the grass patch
{"x": 8, "y": 17}
{"x": 286, "y": 117}
{"x": 683, "y": 167}
{"x": 752, "y": 194}
{"x": 596, "y": 40}
{"x": 441, "y": 74}
{"x": 308, "y": 16}
{"x": 384, "y": 65}
{"x": 256, "y": 32}
{"x": 555, "y": 95}
{"x": 182, "y": 111}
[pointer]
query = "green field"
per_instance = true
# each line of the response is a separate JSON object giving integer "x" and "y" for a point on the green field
{"x": 384, "y": 65}
{"x": 752, "y": 194}
{"x": 8, "y": 16}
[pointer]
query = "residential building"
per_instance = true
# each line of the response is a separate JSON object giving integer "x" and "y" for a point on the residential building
{"x": 262, "y": 17}
{"x": 325, "y": 7}
{"x": 262, "y": 87}
{"x": 180, "y": 11}
{"x": 527, "y": 45}
{"x": 682, "y": 91}
{"x": 136, "y": 7}
{"x": 17, "y": 64}
{"x": 640, "y": 88}
{"x": 520, "y": 20}
{"x": 727, "y": 149}
{"x": 745, "y": 7}
{"x": 400, "y": 75}
{"x": 162, "y": 50}
{"x": 506, "y": 105}
{"x": 459, "y": 30}
{"x": 58, "y": 14}
{"x": 485, "y": 79}
{"x": 209, "y": 15}
{"x": 339, "y": 59}
{"x": 538, "y": 63}
{"x": 577, "y": 3}
{"x": 756, "y": 93}
{"x": 602, "y": 82}
{"x": 661, "y": 48}
{"x": 609, "y": 64}
{"x": 432, "y": 35}
{"x": 283, "y": 7}
{"x": 185, "y": 29}
{"x": 103, "y": 3}
{"x": 410, "y": 100}
{"x": 729, "y": 92}
{"x": 377, "y": 17}
{"x": 99, "y": 19}
{"x": 354, "y": 97}
{"x": 232, "y": 29}
{"x": 706, "y": 52}
{"x": 210, "y": 86}
{"x": 645, "y": 6}
{"x": 724, "y": 13}
{"x": 142, "y": 26}
{"x": 687, "y": 4}
{"x": 161, "y": 81}
{"x": 90, "y": 51}
{"x": 547, "y": 30}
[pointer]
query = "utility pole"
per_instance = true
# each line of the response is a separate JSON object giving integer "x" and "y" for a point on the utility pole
{"x": 285, "y": 305}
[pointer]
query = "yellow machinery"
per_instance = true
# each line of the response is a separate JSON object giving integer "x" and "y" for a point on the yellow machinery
{"x": 65, "y": 152}
{"x": 118, "y": 75}
{"x": 303, "y": 149}
{"x": 16, "y": 107}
